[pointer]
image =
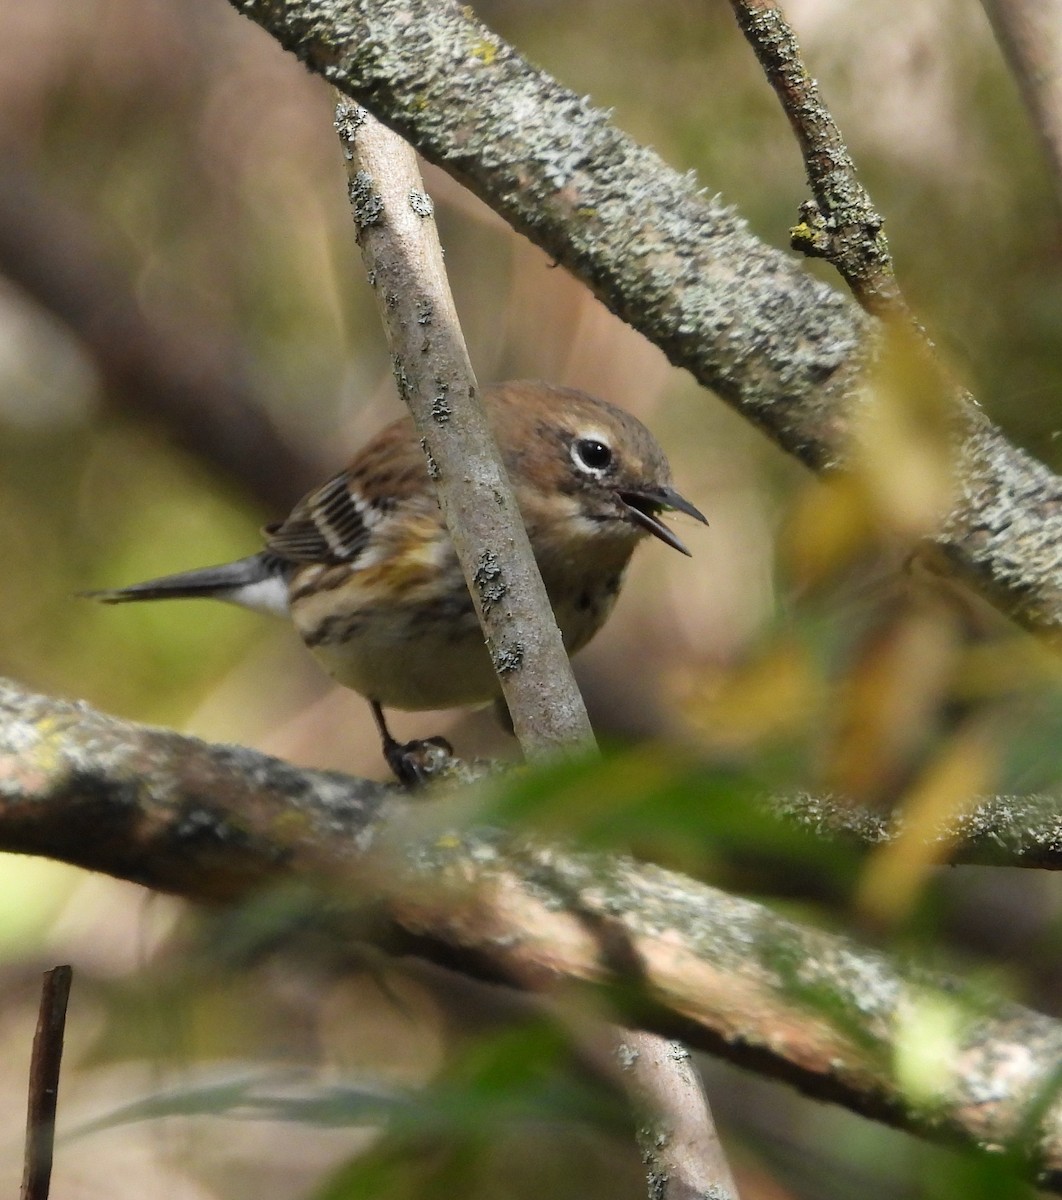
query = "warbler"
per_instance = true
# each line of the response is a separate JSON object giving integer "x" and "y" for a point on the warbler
{"x": 365, "y": 568}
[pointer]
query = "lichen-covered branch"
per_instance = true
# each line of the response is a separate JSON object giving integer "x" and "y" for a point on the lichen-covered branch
{"x": 725, "y": 974}
{"x": 403, "y": 257}
{"x": 400, "y": 247}
{"x": 175, "y": 814}
{"x": 746, "y": 319}
{"x": 1005, "y": 831}
{"x": 681, "y": 267}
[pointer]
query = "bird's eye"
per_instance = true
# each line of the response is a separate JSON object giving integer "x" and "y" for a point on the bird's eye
{"x": 591, "y": 454}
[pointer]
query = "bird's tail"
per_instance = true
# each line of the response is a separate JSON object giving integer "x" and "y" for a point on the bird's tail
{"x": 256, "y": 582}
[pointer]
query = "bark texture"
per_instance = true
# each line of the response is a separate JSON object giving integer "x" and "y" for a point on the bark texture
{"x": 404, "y": 260}
{"x": 843, "y": 1023}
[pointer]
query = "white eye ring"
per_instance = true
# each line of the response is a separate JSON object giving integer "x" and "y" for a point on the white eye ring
{"x": 592, "y": 454}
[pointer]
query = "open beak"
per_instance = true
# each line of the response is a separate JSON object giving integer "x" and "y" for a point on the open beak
{"x": 644, "y": 504}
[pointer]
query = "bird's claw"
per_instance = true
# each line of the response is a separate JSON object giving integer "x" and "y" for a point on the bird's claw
{"x": 418, "y": 762}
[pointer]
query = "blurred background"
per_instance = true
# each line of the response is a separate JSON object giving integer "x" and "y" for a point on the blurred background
{"x": 187, "y": 343}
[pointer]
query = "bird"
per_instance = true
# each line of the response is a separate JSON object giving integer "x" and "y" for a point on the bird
{"x": 365, "y": 569}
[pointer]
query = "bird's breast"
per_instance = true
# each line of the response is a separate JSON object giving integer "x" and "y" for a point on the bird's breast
{"x": 406, "y": 633}
{"x": 582, "y": 609}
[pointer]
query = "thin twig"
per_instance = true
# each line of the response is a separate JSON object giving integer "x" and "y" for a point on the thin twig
{"x": 841, "y": 224}
{"x": 400, "y": 245}
{"x": 1030, "y": 33}
{"x": 44, "y": 1083}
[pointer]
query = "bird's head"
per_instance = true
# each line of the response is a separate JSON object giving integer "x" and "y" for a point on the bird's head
{"x": 580, "y": 462}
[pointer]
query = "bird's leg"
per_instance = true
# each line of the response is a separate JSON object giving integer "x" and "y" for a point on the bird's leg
{"x": 414, "y": 763}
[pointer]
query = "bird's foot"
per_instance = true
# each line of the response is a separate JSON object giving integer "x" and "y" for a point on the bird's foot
{"x": 418, "y": 762}
{"x": 414, "y": 763}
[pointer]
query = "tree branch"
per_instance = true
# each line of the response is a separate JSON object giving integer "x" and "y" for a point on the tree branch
{"x": 400, "y": 247}
{"x": 1002, "y": 831}
{"x": 678, "y": 1139}
{"x": 727, "y": 975}
{"x": 786, "y": 350}
{"x": 841, "y": 224}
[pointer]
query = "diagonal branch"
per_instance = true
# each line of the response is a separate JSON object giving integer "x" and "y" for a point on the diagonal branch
{"x": 727, "y": 975}
{"x": 679, "y": 1141}
{"x": 403, "y": 257}
{"x": 783, "y": 348}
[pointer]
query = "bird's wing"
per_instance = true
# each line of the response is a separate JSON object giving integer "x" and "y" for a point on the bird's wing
{"x": 345, "y": 517}
{"x": 330, "y": 525}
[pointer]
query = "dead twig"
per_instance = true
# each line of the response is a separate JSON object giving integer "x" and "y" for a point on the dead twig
{"x": 44, "y": 1083}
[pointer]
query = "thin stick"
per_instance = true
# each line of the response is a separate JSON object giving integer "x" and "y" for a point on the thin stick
{"x": 44, "y": 1083}
{"x": 841, "y": 224}
{"x": 400, "y": 246}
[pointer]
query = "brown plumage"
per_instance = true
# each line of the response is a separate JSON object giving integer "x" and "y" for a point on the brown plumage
{"x": 367, "y": 571}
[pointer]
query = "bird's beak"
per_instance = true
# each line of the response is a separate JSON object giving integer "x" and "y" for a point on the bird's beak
{"x": 643, "y": 505}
